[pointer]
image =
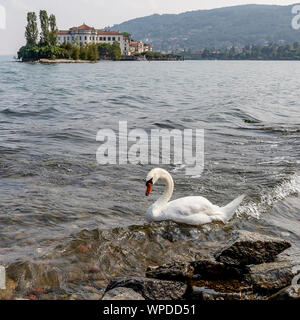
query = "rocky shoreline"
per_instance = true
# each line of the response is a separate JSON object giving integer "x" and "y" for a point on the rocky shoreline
{"x": 55, "y": 61}
{"x": 246, "y": 268}
{"x": 63, "y": 61}
{"x": 183, "y": 264}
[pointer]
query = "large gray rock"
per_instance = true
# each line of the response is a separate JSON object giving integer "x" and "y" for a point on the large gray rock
{"x": 288, "y": 293}
{"x": 212, "y": 269}
{"x": 245, "y": 248}
{"x": 151, "y": 289}
{"x": 271, "y": 277}
{"x": 122, "y": 293}
{"x": 178, "y": 271}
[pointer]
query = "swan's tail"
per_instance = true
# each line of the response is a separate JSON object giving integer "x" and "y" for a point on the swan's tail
{"x": 231, "y": 207}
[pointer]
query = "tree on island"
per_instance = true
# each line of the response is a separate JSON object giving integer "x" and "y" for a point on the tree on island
{"x": 75, "y": 54}
{"x": 116, "y": 51}
{"x": 152, "y": 56}
{"x": 53, "y": 30}
{"x": 126, "y": 35}
{"x": 31, "y": 31}
{"x": 45, "y": 33}
{"x": 82, "y": 53}
{"x": 92, "y": 52}
{"x": 110, "y": 51}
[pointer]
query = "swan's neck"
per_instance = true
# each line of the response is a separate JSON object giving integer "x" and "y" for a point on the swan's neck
{"x": 161, "y": 202}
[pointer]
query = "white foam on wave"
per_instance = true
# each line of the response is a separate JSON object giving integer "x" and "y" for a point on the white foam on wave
{"x": 280, "y": 192}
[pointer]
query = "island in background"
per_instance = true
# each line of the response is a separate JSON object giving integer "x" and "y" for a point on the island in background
{"x": 87, "y": 44}
{"x": 81, "y": 44}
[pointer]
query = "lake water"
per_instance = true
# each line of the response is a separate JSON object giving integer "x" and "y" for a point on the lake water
{"x": 62, "y": 211}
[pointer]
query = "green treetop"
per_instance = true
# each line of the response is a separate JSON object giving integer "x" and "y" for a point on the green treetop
{"x": 127, "y": 35}
{"x": 53, "y": 30}
{"x": 44, "y": 19}
{"x": 31, "y": 31}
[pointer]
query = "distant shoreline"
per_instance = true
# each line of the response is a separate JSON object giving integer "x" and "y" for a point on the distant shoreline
{"x": 188, "y": 59}
{"x": 88, "y": 61}
{"x": 49, "y": 61}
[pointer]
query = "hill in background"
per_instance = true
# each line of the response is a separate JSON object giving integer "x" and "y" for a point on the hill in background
{"x": 218, "y": 28}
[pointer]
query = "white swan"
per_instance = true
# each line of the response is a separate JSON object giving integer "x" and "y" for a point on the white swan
{"x": 190, "y": 210}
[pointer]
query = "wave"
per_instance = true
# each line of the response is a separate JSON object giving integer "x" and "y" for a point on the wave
{"x": 25, "y": 113}
{"x": 168, "y": 124}
{"x": 267, "y": 200}
{"x": 272, "y": 129}
{"x": 280, "y": 129}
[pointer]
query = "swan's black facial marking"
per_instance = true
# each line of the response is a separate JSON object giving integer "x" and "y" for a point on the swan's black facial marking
{"x": 149, "y": 181}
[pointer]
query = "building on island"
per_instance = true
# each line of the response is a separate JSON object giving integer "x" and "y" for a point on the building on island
{"x": 147, "y": 48}
{"x": 85, "y": 35}
{"x": 138, "y": 47}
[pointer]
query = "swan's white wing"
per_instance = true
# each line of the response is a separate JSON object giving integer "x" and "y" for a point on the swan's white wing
{"x": 190, "y": 206}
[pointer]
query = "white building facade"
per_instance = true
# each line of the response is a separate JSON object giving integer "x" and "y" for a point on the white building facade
{"x": 85, "y": 35}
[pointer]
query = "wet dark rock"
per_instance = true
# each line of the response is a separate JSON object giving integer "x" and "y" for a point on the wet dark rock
{"x": 288, "y": 293}
{"x": 9, "y": 292}
{"x": 231, "y": 289}
{"x": 29, "y": 275}
{"x": 122, "y": 293}
{"x": 151, "y": 289}
{"x": 206, "y": 268}
{"x": 212, "y": 269}
{"x": 19, "y": 270}
{"x": 178, "y": 271}
{"x": 245, "y": 248}
{"x": 204, "y": 294}
{"x": 271, "y": 277}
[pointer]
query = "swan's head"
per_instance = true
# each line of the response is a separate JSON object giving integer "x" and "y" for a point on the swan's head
{"x": 152, "y": 178}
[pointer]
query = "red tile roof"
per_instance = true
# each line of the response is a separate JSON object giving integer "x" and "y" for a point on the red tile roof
{"x": 63, "y": 32}
{"x": 82, "y": 27}
{"x": 85, "y": 27}
{"x": 135, "y": 43}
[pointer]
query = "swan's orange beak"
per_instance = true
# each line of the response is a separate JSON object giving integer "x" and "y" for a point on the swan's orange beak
{"x": 149, "y": 188}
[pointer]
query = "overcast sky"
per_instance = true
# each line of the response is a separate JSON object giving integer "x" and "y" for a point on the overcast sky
{"x": 97, "y": 13}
